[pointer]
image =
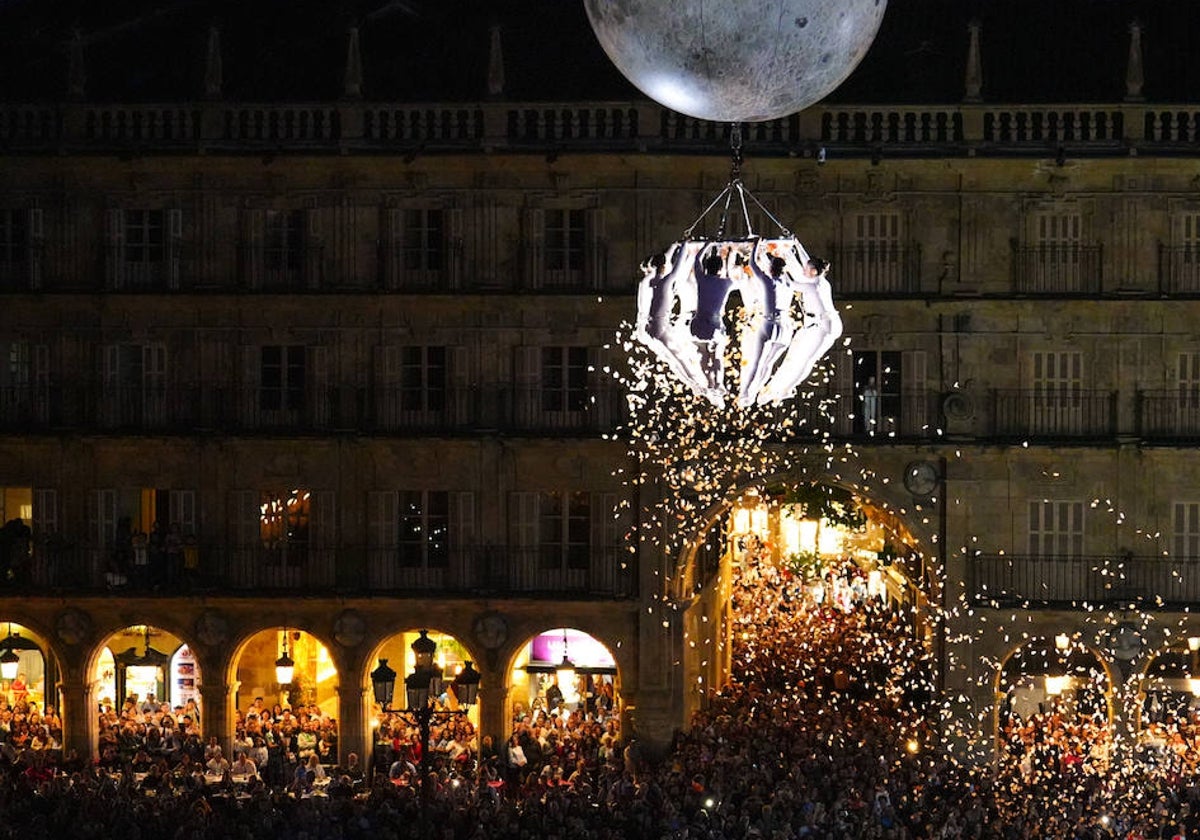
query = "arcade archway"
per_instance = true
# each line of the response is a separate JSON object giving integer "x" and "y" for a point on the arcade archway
{"x": 1054, "y": 710}
{"x": 839, "y": 547}
{"x": 146, "y": 682}
{"x": 453, "y": 744}
{"x": 565, "y": 700}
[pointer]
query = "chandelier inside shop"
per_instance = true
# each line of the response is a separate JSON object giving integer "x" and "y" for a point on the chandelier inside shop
{"x": 787, "y": 320}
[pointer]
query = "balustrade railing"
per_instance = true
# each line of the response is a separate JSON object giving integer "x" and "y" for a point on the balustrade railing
{"x": 416, "y": 128}
{"x": 1073, "y": 582}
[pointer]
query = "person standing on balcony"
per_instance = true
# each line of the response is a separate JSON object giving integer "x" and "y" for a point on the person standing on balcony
{"x": 158, "y": 556}
{"x": 141, "y": 560}
{"x": 870, "y": 401}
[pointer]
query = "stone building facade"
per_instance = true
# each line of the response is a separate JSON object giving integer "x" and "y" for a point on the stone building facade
{"x": 233, "y": 305}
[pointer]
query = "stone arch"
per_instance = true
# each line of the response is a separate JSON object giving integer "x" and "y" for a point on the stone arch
{"x": 453, "y": 653}
{"x": 1167, "y": 682}
{"x": 707, "y": 628}
{"x": 621, "y": 667}
{"x": 921, "y": 529}
{"x": 28, "y": 636}
{"x": 1039, "y": 657}
{"x": 149, "y": 646}
{"x": 247, "y": 637}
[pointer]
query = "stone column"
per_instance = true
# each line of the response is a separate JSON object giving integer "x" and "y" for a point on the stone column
{"x": 354, "y": 724}
{"x": 216, "y": 714}
{"x": 78, "y": 710}
{"x": 493, "y": 718}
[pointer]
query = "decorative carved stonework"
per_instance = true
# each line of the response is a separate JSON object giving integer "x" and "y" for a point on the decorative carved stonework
{"x": 490, "y": 630}
{"x": 73, "y": 626}
{"x": 212, "y": 628}
{"x": 349, "y": 629}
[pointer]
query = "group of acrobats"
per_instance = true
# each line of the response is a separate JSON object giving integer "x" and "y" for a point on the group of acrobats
{"x": 789, "y": 321}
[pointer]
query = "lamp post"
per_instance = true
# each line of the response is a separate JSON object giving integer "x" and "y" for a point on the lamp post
{"x": 421, "y": 689}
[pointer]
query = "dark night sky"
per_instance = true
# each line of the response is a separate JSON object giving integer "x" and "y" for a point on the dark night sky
{"x": 436, "y": 50}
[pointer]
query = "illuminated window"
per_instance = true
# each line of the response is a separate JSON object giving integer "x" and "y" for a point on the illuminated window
{"x": 424, "y": 528}
{"x": 284, "y": 525}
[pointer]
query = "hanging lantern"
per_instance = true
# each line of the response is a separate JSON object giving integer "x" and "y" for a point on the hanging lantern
{"x": 8, "y": 665}
{"x": 285, "y": 667}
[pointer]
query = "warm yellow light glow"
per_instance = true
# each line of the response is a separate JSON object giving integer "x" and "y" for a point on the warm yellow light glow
{"x": 912, "y": 746}
{"x": 1062, "y": 641}
{"x": 1194, "y": 686}
{"x": 759, "y": 519}
{"x": 830, "y": 541}
{"x": 807, "y": 530}
{"x": 1056, "y": 685}
{"x": 1194, "y": 643}
{"x": 741, "y": 520}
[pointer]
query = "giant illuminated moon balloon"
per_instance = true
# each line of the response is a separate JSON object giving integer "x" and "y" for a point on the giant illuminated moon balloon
{"x": 736, "y": 60}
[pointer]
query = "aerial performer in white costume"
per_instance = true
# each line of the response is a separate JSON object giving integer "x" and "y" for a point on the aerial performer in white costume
{"x": 822, "y": 326}
{"x": 668, "y": 281}
{"x": 713, "y": 286}
{"x": 768, "y": 299}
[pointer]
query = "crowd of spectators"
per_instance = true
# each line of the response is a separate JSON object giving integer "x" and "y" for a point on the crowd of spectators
{"x": 823, "y": 731}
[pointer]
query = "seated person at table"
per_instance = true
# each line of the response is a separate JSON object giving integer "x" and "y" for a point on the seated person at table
{"x": 353, "y": 769}
{"x": 218, "y": 765}
{"x": 243, "y": 765}
{"x": 314, "y": 767}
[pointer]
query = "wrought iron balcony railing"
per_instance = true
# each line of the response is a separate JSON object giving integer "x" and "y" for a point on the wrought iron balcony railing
{"x": 1058, "y": 412}
{"x": 303, "y": 568}
{"x": 1179, "y": 270}
{"x": 876, "y": 270}
{"x": 1172, "y": 414}
{"x": 1071, "y": 582}
{"x": 1057, "y": 270}
{"x": 219, "y": 408}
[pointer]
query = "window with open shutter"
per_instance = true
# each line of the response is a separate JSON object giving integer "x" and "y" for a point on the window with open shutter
{"x": 565, "y": 243}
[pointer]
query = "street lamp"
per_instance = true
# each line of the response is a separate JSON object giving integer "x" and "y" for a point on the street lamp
{"x": 564, "y": 675}
{"x": 421, "y": 689}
